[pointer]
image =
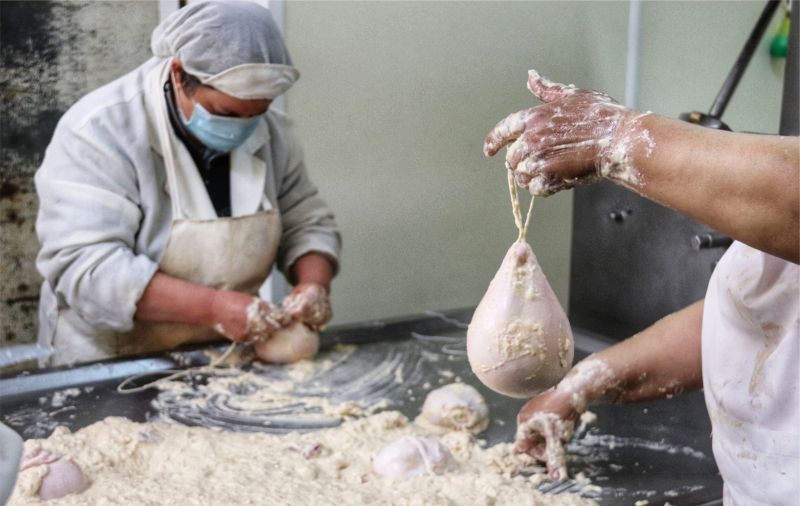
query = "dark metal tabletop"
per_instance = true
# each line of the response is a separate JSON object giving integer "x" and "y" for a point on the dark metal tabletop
{"x": 655, "y": 451}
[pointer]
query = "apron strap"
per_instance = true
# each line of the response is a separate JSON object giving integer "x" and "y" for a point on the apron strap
{"x": 154, "y": 84}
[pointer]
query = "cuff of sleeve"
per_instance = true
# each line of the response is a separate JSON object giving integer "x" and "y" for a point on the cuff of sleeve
{"x": 120, "y": 317}
{"x": 146, "y": 269}
{"x": 326, "y": 248}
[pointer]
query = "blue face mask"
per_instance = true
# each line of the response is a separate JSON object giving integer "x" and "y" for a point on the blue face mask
{"x": 219, "y": 133}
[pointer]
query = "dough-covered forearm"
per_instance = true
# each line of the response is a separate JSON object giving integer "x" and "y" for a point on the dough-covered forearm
{"x": 661, "y": 361}
{"x": 309, "y": 301}
{"x": 237, "y": 316}
{"x": 744, "y": 185}
{"x": 169, "y": 299}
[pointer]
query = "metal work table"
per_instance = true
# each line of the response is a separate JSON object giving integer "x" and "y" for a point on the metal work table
{"x": 656, "y": 451}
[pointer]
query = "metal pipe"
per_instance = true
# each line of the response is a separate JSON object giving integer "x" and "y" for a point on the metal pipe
{"x": 632, "y": 61}
{"x": 735, "y": 75}
{"x": 710, "y": 240}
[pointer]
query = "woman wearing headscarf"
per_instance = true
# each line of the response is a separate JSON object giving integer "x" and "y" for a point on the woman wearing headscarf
{"x": 167, "y": 196}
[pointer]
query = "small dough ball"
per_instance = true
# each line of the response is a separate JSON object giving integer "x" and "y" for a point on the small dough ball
{"x": 61, "y": 476}
{"x": 290, "y": 344}
{"x": 412, "y": 456}
{"x": 456, "y": 406}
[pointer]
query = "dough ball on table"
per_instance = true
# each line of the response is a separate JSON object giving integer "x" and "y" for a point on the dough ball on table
{"x": 62, "y": 476}
{"x": 412, "y": 456}
{"x": 455, "y": 407}
{"x": 290, "y": 344}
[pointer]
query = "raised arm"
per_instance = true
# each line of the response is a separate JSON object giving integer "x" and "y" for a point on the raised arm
{"x": 744, "y": 185}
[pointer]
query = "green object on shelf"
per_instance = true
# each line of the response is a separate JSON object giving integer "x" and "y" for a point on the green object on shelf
{"x": 780, "y": 42}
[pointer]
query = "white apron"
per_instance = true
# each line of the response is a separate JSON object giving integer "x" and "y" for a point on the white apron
{"x": 751, "y": 376}
{"x": 235, "y": 253}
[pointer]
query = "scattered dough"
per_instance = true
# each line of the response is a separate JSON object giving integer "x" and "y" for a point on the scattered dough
{"x": 456, "y": 406}
{"x": 412, "y": 456}
{"x": 293, "y": 343}
{"x": 151, "y": 463}
{"x": 519, "y": 342}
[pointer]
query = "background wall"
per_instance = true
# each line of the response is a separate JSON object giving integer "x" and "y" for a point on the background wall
{"x": 393, "y": 105}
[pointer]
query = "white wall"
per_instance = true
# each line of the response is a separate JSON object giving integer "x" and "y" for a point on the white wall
{"x": 393, "y": 104}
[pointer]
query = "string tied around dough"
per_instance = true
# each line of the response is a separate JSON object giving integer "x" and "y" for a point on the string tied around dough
{"x": 173, "y": 374}
{"x": 522, "y": 227}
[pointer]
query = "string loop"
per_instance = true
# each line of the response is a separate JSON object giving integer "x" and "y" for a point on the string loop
{"x": 522, "y": 227}
{"x": 175, "y": 374}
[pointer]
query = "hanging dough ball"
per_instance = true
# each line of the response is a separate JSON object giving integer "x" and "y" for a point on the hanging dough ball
{"x": 519, "y": 342}
{"x": 287, "y": 345}
{"x": 412, "y": 456}
{"x": 455, "y": 407}
{"x": 62, "y": 476}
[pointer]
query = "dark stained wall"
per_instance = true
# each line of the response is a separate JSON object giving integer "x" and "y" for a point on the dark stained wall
{"x": 51, "y": 53}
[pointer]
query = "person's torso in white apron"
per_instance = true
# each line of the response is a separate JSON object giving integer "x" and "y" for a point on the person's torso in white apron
{"x": 751, "y": 378}
{"x": 235, "y": 253}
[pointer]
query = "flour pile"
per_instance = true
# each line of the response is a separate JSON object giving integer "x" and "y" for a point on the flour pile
{"x": 135, "y": 463}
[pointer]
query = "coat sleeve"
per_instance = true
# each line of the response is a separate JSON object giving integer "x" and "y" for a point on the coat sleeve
{"x": 308, "y": 222}
{"x": 89, "y": 216}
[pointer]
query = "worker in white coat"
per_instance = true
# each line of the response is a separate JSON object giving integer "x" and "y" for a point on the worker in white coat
{"x": 741, "y": 344}
{"x": 167, "y": 196}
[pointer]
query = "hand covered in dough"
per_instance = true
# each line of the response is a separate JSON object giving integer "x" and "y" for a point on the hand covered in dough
{"x": 243, "y": 318}
{"x": 309, "y": 303}
{"x": 544, "y": 425}
{"x": 577, "y": 136}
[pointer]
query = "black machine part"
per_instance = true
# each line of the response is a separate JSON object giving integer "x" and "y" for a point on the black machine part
{"x": 714, "y": 117}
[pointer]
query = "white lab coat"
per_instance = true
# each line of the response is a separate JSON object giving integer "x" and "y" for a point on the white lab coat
{"x": 105, "y": 207}
{"x": 751, "y": 376}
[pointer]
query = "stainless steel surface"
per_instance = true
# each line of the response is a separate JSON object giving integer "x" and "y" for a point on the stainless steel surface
{"x": 710, "y": 240}
{"x": 659, "y": 451}
{"x": 627, "y": 273}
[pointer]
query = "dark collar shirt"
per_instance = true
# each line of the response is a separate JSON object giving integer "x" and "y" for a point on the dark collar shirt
{"x": 214, "y": 167}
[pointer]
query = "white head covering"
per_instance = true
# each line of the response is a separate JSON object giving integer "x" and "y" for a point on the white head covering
{"x": 233, "y": 46}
